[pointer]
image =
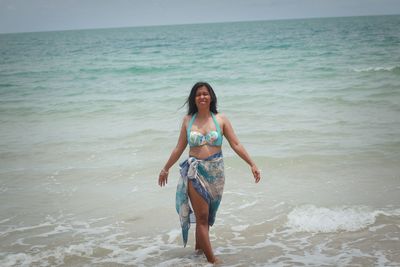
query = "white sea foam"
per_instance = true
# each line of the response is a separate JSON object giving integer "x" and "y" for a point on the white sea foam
{"x": 3, "y": 189}
{"x": 278, "y": 205}
{"x": 247, "y": 205}
{"x": 20, "y": 242}
{"x": 79, "y": 249}
{"x": 5, "y": 220}
{"x": 134, "y": 189}
{"x": 57, "y": 230}
{"x": 234, "y": 193}
{"x": 237, "y": 236}
{"x": 375, "y": 228}
{"x": 171, "y": 262}
{"x": 15, "y": 229}
{"x": 372, "y": 69}
{"x": 18, "y": 259}
{"x": 239, "y": 228}
{"x": 309, "y": 218}
{"x": 173, "y": 235}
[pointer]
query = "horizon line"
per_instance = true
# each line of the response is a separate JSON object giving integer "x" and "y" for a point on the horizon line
{"x": 199, "y": 23}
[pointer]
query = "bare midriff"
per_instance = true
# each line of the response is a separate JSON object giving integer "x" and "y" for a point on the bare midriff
{"x": 203, "y": 152}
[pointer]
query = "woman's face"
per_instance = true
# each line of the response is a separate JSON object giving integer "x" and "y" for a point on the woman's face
{"x": 203, "y": 97}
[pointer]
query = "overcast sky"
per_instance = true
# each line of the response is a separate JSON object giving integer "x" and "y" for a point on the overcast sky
{"x": 45, "y": 15}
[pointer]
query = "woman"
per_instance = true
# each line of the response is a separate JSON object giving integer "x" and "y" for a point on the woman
{"x": 202, "y": 174}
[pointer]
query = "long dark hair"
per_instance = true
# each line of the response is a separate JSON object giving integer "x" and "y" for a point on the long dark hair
{"x": 192, "y": 108}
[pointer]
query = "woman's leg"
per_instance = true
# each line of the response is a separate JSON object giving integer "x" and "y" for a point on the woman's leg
{"x": 200, "y": 208}
{"x": 197, "y": 247}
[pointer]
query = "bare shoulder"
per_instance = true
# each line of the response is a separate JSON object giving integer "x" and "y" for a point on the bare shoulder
{"x": 185, "y": 120}
{"x": 223, "y": 121}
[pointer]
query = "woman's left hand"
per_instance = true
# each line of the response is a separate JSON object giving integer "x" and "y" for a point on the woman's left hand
{"x": 163, "y": 178}
{"x": 256, "y": 173}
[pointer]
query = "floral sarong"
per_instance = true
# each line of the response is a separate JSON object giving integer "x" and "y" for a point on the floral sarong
{"x": 207, "y": 177}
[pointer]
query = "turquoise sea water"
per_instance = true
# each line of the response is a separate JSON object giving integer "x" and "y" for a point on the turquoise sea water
{"x": 89, "y": 117}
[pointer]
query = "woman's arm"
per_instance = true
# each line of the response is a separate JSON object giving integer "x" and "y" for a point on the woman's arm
{"x": 175, "y": 154}
{"x": 239, "y": 148}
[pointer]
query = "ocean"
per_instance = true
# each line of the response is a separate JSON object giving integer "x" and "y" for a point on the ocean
{"x": 89, "y": 117}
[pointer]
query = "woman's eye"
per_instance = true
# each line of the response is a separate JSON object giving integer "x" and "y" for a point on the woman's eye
{"x": 202, "y": 94}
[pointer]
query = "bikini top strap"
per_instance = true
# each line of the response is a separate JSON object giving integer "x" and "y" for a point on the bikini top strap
{"x": 216, "y": 123}
{"x": 190, "y": 125}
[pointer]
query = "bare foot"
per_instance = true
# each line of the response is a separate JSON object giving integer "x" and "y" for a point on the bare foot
{"x": 199, "y": 252}
{"x": 217, "y": 261}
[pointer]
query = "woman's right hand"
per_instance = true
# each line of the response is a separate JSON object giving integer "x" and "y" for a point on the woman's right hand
{"x": 163, "y": 178}
{"x": 256, "y": 173}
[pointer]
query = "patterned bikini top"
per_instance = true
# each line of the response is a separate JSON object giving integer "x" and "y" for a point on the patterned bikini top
{"x": 212, "y": 138}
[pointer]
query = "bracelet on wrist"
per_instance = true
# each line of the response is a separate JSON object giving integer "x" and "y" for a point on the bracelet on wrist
{"x": 164, "y": 171}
